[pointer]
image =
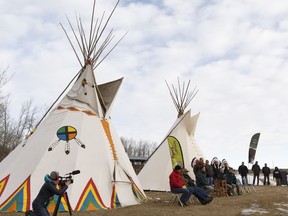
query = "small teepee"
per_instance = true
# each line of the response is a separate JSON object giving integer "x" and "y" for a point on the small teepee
{"x": 179, "y": 147}
{"x": 76, "y": 134}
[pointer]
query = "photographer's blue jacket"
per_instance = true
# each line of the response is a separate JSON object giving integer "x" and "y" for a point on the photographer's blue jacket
{"x": 47, "y": 191}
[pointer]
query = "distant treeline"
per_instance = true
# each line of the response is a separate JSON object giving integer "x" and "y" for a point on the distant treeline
{"x": 12, "y": 131}
{"x": 141, "y": 148}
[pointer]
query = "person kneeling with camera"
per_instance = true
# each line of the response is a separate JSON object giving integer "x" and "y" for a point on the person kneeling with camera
{"x": 46, "y": 193}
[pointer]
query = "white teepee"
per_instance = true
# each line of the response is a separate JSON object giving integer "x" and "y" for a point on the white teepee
{"x": 76, "y": 135}
{"x": 178, "y": 147}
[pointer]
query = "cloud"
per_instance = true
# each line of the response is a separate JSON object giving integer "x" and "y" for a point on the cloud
{"x": 235, "y": 52}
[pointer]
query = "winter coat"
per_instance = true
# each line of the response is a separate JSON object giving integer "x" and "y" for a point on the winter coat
{"x": 266, "y": 170}
{"x": 226, "y": 169}
{"x": 276, "y": 173}
{"x": 48, "y": 190}
{"x": 256, "y": 169}
{"x": 222, "y": 176}
{"x": 189, "y": 182}
{"x": 231, "y": 178}
{"x": 209, "y": 170}
{"x": 175, "y": 180}
{"x": 243, "y": 170}
{"x": 216, "y": 170}
{"x": 201, "y": 180}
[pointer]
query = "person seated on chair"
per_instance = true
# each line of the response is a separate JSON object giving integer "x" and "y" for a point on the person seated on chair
{"x": 222, "y": 177}
{"x": 202, "y": 181}
{"x": 199, "y": 193}
{"x": 187, "y": 180}
{"x": 225, "y": 166}
{"x": 46, "y": 193}
{"x": 232, "y": 180}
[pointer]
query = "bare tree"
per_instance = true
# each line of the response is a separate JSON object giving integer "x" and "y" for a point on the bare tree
{"x": 141, "y": 148}
{"x": 13, "y": 131}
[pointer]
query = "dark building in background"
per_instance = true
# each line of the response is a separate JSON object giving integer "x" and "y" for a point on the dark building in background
{"x": 137, "y": 162}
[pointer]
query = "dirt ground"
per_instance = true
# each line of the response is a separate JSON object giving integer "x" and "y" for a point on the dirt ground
{"x": 267, "y": 200}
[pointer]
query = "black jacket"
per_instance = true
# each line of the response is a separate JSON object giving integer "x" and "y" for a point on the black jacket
{"x": 243, "y": 170}
{"x": 266, "y": 170}
{"x": 276, "y": 173}
{"x": 256, "y": 169}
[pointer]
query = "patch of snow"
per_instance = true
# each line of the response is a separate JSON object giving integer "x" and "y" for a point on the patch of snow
{"x": 281, "y": 204}
{"x": 253, "y": 209}
{"x": 283, "y": 207}
{"x": 282, "y": 210}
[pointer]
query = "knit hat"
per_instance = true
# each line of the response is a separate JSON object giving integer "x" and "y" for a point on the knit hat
{"x": 177, "y": 167}
{"x": 54, "y": 175}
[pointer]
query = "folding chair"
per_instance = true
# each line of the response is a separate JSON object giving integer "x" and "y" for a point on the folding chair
{"x": 248, "y": 188}
{"x": 176, "y": 197}
{"x": 252, "y": 188}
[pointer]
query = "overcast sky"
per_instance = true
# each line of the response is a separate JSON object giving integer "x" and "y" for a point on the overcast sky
{"x": 235, "y": 52}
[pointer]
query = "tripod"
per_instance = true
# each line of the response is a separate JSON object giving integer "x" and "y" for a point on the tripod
{"x": 58, "y": 204}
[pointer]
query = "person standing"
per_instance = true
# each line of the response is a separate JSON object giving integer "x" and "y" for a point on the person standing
{"x": 256, "y": 171}
{"x": 243, "y": 171}
{"x": 209, "y": 172}
{"x": 266, "y": 173}
{"x": 277, "y": 176}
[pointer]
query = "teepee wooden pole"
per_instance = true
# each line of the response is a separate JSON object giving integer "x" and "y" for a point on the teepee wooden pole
{"x": 181, "y": 96}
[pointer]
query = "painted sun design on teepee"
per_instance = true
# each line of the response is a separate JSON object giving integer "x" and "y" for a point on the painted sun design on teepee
{"x": 66, "y": 133}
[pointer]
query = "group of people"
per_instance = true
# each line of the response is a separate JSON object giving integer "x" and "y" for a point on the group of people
{"x": 180, "y": 182}
{"x": 266, "y": 172}
{"x": 207, "y": 173}
{"x": 217, "y": 171}
{"x": 243, "y": 171}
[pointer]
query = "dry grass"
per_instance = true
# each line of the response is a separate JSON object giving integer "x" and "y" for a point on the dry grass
{"x": 267, "y": 200}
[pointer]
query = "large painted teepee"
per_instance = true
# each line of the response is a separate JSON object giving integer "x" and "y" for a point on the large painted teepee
{"x": 76, "y": 134}
{"x": 179, "y": 147}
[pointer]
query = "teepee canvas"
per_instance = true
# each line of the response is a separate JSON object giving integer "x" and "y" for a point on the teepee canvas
{"x": 178, "y": 148}
{"x": 77, "y": 134}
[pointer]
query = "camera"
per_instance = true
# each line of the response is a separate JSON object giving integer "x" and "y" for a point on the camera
{"x": 67, "y": 177}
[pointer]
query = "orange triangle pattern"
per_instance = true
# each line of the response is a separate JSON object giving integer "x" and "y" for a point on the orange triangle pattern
{"x": 3, "y": 184}
{"x": 63, "y": 204}
{"x": 106, "y": 127}
{"x": 74, "y": 109}
{"x": 90, "y": 198}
